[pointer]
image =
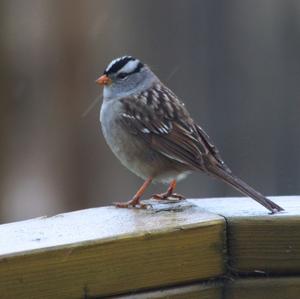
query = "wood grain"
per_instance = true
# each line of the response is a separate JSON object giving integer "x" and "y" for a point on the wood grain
{"x": 204, "y": 290}
{"x": 108, "y": 251}
{"x": 266, "y": 288}
{"x": 125, "y": 252}
{"x": 258, "y": 242}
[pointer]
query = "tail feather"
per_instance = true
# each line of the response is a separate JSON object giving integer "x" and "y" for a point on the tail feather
{"x": 244, "y": 188}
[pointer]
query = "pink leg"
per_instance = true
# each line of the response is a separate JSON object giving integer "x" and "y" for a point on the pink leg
{"x": 135, "y": 201}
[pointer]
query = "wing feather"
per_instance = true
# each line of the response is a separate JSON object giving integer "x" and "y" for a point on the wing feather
{"x": 168, "y": 128}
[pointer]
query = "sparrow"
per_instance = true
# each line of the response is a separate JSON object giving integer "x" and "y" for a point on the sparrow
{"x": 152, "y": 133}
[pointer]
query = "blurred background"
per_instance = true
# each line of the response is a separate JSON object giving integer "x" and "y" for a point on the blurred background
{"x": 236, "y": 64}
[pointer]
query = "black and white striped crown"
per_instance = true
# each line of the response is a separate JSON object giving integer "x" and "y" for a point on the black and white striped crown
{"x": 125, "y": 64}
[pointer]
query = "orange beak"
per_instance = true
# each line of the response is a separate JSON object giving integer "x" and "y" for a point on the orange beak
{"x": 103, "y": 80}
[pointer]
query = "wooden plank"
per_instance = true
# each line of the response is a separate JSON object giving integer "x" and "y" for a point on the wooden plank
{"x": 267, "y": 288}
{"x": 245, "y": 288}
{"x": 106, "y": 250}
{"x": 259, "y": 242}
{"x": 204, "y": 290}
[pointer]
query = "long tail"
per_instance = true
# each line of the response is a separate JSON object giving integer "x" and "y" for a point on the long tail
{"x": 244, "y": 188}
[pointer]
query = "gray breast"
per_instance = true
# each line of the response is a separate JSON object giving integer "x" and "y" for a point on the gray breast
{"x": 131, "y": 151}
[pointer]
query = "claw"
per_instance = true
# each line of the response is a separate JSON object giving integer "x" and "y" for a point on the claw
{"x": 169, "y": 193}
{"x": 135, "y": 202}
{"x": 166, "y": 196}
{"x": 131, "y": 204}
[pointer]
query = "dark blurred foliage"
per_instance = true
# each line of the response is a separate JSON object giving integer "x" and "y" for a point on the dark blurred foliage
{"x": 236, "y": 64}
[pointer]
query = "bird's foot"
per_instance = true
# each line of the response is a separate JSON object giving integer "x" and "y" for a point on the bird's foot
{"x": 167, "y": 195}
{"x": 133, "y": 203}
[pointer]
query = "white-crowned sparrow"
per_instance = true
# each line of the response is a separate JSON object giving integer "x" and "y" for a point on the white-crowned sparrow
{"x": 151, "y": 132}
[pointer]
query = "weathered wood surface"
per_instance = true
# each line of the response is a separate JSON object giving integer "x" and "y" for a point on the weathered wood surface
{"x": 106, "y": 250}
{"x": 256, "y": 241}
{"x": 234, "y": 288}
{"x": 266, "y": 288}
{"x": 204, "y": 290}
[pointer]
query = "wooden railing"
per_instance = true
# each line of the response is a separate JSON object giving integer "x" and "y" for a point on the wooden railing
{"x": 202, "y": 248}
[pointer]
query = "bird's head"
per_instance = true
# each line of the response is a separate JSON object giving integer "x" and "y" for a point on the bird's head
{"x": 124, "y": 76}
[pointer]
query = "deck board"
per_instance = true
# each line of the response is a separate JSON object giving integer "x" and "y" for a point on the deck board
{"x": 203, "y": 290}
{"x": 259, "y": 242}
{"x": 104, "y": 251}
{"x": 266, "y": 288}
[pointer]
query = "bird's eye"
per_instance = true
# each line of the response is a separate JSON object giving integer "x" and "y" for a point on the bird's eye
{"x": 122, "y": 75}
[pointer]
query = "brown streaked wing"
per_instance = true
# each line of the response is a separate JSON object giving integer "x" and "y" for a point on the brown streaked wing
{"x": 174, "y": 135}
